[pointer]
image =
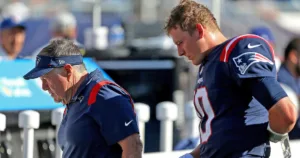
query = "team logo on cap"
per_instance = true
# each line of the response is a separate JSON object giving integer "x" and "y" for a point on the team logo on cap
{"x": 61, "y": 61}
{"x": 38, "y": 59}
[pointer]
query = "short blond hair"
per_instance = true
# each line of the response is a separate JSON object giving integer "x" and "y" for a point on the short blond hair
{"x": 187, "y": 14}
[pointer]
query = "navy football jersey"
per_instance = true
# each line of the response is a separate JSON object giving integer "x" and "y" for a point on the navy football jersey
{"x": 99, "y": 115}
{"x": 232, "y": 120}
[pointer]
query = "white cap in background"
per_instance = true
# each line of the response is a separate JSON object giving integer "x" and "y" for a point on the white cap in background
{"x": 16, "y": 9}
{"x": 63, "y": 21}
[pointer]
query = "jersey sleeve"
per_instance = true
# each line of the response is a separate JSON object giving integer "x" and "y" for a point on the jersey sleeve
{"x": 113, "y": 111}
{"x": 252, "y": 58}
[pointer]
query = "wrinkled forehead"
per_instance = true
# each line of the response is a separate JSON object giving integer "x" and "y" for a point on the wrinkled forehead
{"x": 53, "y": 73}
{"x": 47, "y": 75}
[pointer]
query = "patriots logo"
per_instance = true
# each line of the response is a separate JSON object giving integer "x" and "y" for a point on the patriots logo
{"x": 61, "y": 62}
{"x": 38, "y": 59}
{"x": 245, "y": 60}
{"x": 80, "y": 98}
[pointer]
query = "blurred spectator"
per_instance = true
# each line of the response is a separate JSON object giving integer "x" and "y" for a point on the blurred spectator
{"x": 289, "y": 73}
{"x": 266, "y": 33}
{"x": 64, "y": 25}
{"x": 12, "y": 37}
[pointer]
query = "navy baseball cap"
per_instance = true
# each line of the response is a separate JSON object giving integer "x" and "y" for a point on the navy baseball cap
{"x": 263, "y": 32}
{"x": 11, "y": 22}
{"x": 45, "y": 64}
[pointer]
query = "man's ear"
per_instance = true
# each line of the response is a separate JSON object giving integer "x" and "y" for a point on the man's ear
{"x": 69, "y": 70}
{"x": 200, "y": 30}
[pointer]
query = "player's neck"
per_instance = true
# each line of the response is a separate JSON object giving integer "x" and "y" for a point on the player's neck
{"x": 216, "y": 38}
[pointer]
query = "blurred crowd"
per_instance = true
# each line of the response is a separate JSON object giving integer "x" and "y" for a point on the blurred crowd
{"x": 13, "y": 30}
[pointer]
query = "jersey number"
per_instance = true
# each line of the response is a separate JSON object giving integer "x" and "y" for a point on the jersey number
{"x": 204, "y": 108}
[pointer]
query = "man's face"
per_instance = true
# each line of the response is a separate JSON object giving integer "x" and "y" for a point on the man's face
{"x": 188, "y": 45}
{"x": 12, "y": 40}
{"x": 55, "y": 82}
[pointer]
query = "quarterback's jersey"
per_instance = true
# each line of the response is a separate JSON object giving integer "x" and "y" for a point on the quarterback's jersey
{"x": 232, "y": 120}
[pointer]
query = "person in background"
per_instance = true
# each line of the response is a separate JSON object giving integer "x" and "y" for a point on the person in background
{"x": 12, "y": 37}
{"x": 99, "y": 119}
{"x": 265, "y": 33}
{"x": 64, "y": 25}
{"x": 289, "y": 71}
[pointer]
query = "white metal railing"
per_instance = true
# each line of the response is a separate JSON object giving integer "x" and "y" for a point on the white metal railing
{"x": 143, "y": 115}
{"x": 56, "y": 117}
{"x": 28, "y": 120}
{"x": 276, "y": 151}
{"x": 172, "y": 154}
{"x": 166, "y": 112}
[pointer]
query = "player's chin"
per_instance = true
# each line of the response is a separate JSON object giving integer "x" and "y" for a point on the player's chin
{"x": 57, "y": 100}
{"x": 196, "y": 62}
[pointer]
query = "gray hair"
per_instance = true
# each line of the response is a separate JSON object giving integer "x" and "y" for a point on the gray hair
{"x": 62, "y": 47}
{"x": 63, "y": 21}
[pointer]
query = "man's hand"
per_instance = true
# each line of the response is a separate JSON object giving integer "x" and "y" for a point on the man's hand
{"x": 132, "y": 146}
{"x": 276, "y": 137}
{"x": 186, "y": 156}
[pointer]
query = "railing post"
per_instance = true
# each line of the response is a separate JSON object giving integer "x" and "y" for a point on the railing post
{"x": 56, "y": 117}
{"x": 143, "y": 115}
{"x": 166, "y": 112}
{"x": 2, "y": 122}
{"x": 29, "y": 120}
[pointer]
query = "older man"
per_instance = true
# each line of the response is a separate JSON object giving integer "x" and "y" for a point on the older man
{"x": 99, "y": 119}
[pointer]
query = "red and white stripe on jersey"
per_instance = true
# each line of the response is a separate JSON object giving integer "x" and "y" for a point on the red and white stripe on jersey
{"x": 263, "y": 58}
{"x": 98, "y": 86}
{"x": 231, "y": 45}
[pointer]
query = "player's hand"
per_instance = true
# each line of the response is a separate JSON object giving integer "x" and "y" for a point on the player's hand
{"x": 276, "y": 137}
{"x": 186, "y": 156}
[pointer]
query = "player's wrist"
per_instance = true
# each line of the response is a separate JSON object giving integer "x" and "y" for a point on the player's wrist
{"x": 272, "y": 131}
{"x": 188, "y": 155}
{"x": 274, "y": 136}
